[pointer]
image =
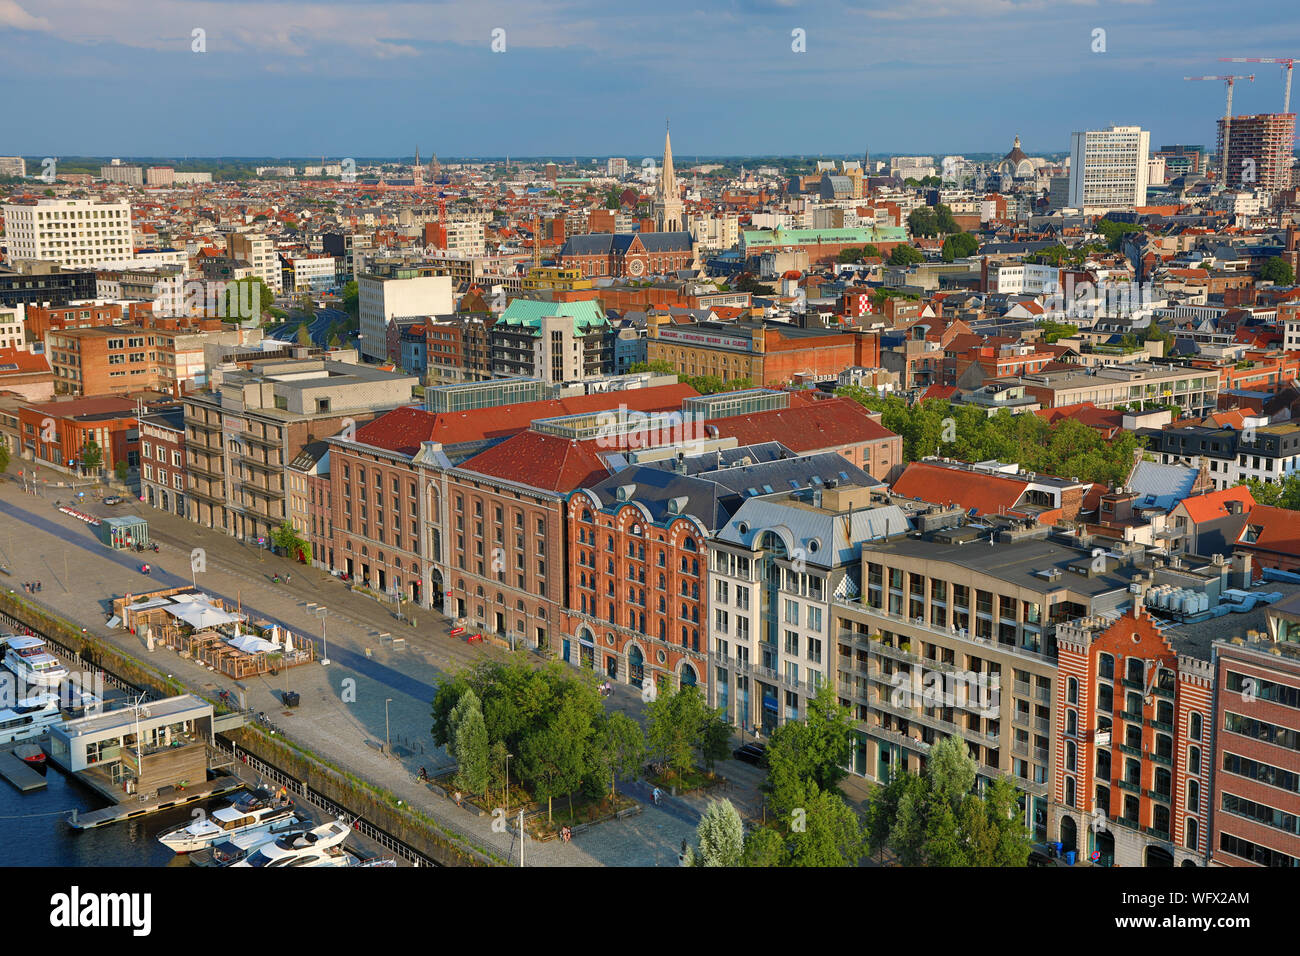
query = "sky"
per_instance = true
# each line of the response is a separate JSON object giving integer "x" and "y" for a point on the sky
{"x": 366, "y": 78}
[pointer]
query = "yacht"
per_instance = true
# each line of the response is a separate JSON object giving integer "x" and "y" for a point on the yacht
{"x": 27, "y": 657}
{"x": 230, "y": 851}
{"x": 29, "y": 718}
{"x": 321, "y": 846}
{"x": 256, "y": 811}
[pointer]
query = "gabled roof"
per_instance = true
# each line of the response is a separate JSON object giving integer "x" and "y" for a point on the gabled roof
{"x": 543, "y": 461}
{"x": 1213, "y": 505}
{"x": 1161, "y": 486}
{"x": 1274, "y": 529}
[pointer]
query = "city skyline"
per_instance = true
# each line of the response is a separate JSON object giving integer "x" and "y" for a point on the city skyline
{"x": 375, "y": 78}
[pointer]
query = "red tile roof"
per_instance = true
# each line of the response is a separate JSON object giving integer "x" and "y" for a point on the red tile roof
{"x": 1105, "y": 420}
{"x": 543, "y": 461}
{"x": 987, "y": 494}
{"x": 1279, "y": 530}
{"x": 402, "y": 429}
{"x": 27, "y": 362}
{"x": 825, "y": 424}
{"x": 1208, "y": 507}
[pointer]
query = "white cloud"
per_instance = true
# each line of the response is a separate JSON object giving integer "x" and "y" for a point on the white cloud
{"x": 14, "y": 17}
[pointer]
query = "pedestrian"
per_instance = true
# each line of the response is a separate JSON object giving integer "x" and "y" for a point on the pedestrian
{"x": 656, "y": 796}
{"x": 287, "y": 577}
{"x": 457, "y": 798}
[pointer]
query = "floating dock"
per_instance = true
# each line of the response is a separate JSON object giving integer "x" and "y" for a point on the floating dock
{"x": 15, "y": 770}
{"x": 131, "y": 809}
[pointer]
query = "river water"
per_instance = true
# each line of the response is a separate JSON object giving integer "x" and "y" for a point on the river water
{"x": 35, "y": 832}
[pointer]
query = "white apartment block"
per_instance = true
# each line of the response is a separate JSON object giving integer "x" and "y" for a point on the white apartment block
{"x": 259, "y": 252}
{"x": 714, "y": 232}
{"x": 309, "y": 273}
{"x": 13, "y": 166}
{"x": 1108, "y": 169}
{"x": 381, "y": 299}
{"x": 13, "y": 334}
{"x": 71, "y": 232}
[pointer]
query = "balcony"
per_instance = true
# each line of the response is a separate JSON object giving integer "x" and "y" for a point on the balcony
{"x": 1157, "y": 795}
{"x": 1166, "y": 759}
{"x": 1130, "y": 787}
{"x": 892, "y": 621}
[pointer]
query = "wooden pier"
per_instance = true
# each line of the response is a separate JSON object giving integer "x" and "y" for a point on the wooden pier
{"x": 14, "y": 769}
{"x": 131, "y": 809}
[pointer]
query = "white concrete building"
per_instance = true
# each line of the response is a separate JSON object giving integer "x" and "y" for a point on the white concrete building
{"x": 1108, "y": 169}
{"x": 13, "y": 334}
{"x": 71, "y": 232}
{"x": 380, "y": 299}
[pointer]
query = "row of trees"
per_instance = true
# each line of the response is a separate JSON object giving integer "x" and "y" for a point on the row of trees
{"x": 808, "y": 822}
{"x": 936, "y": 819}
{"x": 551, "y": 723}
{"x": 1066, "y": 448}
{"x": 932, "y": 221}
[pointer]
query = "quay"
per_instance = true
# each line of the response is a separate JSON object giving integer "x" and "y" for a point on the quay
{"x": 138, "y": 808}
{"x": 14, "y": 769}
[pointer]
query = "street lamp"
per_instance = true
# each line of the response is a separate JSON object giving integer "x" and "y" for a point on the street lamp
{"x": 388, "y": 744}
{"x": 325, "y": 648}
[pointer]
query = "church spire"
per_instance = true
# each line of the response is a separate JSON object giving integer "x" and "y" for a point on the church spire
{"x": 668, "y": 178}
{"x": 668, "y": 201}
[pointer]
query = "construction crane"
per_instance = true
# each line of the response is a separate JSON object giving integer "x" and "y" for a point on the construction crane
{"x": 1227, "y": 115}
{"x": 1285, "y": 62}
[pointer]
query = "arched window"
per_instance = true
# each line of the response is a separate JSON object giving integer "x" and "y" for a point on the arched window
{"x": 1069, "y": 755}
{"x": 1194, "y": 728}
{"x": 1193, "y": 841}
{"x": 1069, "y": 791}
{"x": 1072, "y": 691}
{"x": 1193, "y": 796}
{"x": 1165, "y": 712}
{"x": 689, "y": 544}
{"x": 1193, "y": 759}
{"x": 1071, "y": 722}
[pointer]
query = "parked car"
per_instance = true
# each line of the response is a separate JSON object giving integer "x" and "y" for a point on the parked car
{"x": 750, "y": 753}
{"x": 114, "y": 500}
{"x": 1042, "y": 854}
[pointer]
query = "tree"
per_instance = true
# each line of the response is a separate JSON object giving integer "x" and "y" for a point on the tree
{"x": 721, "y": 836}
{"x": 810, "y": 750}
{"x": 903, "y": 255}
{"x": 286, "y": 539}
{"x": 620, "y": 747}
{"x": 674, "y": 727}
{"x": 1277, "y": 271}
{"x": 120, "y": 470}
{"x": 1282, "y": 494}
{"x": 764, "y": 846}
{"x": 351, "y": 299}
{"x": 4, "y": 458}
{"x": 959, "y": 245}
{"x": 827, "y": 833}
{"x": 335, "y": 341}
{"x": 471, "y": 748}
{"x": 944, "y": 220}
{"x": 923, "y": 221}
{"x": 91, "y": 457}
{"x": 304, "y": 336}
{"x": 1115, "y": 232}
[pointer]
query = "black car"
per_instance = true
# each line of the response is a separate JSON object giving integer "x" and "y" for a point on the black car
{"x": 751, "y": 753}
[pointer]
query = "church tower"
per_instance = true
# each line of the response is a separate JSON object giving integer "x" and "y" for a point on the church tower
{"x": 668, "y": 200}
{"x": 417, "y": 171}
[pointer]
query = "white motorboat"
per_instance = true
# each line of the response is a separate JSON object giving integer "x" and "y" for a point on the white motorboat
{"x": 255, "y": 811}
{"x": 27, "y": 657}
{"x": 29, "y": 718}
{"x": 230, "y": 851}
{"x": 321, "y": 846}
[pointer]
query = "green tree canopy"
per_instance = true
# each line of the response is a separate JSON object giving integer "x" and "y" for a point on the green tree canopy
{"x": 959, "y": 245}
{"x": 904, "y": 255}
{"x": 1277, "y": 270}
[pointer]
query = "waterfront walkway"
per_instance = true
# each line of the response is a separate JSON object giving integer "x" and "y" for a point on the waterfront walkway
{"x": 344, "y": 706}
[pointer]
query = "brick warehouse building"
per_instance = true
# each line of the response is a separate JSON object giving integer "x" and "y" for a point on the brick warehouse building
{"x": 467, "y": 467}
{"x": 769, "y": 354}
{"x": 637, "y": 578}
{"x": 1133, "y": 744}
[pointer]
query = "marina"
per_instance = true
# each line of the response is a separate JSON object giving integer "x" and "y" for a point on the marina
{"x": 19, "y": 772}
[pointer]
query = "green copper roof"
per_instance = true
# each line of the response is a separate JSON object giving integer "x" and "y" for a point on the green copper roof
{"x": 530, "y": 312}
{"x": 795, "y": 237}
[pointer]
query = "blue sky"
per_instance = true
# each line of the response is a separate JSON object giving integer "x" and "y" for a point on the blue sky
{"x": 371, "y": 78}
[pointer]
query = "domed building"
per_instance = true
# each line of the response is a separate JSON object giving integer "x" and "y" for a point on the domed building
{"x": 1015, "y": 164}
